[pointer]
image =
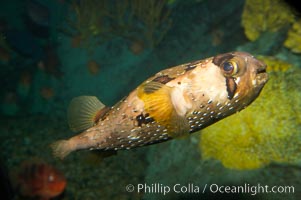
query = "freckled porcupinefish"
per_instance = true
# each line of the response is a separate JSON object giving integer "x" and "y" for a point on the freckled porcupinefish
{"x": 174, "y": 102}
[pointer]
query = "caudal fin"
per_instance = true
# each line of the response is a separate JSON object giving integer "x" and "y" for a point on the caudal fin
{"x": 61, "y": 149}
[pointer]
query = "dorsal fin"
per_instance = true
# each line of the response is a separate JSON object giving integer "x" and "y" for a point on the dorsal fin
{"x": 84, "y": 112}
{"x": 158, "y": 104}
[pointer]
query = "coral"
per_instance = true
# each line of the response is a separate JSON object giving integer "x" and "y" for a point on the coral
{"x": 5, "y": 50}
{"x": 136, "y": 47}
{"x": 217, "y": 37}
{"x": 261, "y": 16}
{"x": 93, "y": 67}
{"x": 101, "y": 21}
{"x": 4, "y": 55}
{"x": 88, "y": 21}
{"x": 293, "y": 39}
{"x": 47, "y": 92}
{"x": 267, "y": 131}
{"x": 154, "y": 17}
{"x": 9, "y": 105}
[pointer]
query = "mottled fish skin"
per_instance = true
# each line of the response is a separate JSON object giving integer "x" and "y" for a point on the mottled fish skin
{"x": 193, "y": 95}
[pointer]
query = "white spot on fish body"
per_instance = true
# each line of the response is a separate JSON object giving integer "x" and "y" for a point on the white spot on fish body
{"x": 133, "y": 137}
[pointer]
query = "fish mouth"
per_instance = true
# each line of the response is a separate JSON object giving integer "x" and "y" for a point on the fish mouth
{"x": 261, "y": 69}
{"x": 261, "y": 75}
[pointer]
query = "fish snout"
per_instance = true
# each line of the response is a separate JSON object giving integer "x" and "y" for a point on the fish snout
{"x": 261, "y": 75}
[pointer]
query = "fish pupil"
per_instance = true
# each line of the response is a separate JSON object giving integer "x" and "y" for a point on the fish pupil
{"x": 228, "y": 67}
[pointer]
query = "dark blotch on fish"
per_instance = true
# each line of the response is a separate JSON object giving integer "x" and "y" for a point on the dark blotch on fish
{"x": 191, "y": 66}
{"x": 144, "y": 119}
{"x": 100, "y": 115}
{"x": 163, "y": 79}
{"x": 231, "y": 87}
{"x": 219, "y": 59}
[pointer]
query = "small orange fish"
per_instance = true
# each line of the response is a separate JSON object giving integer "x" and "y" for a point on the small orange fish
{"x": 39, "y": 180}
{"x": 174, "y": 102}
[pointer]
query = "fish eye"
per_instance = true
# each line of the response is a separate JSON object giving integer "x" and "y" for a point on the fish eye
{"x": 230, "y": 68}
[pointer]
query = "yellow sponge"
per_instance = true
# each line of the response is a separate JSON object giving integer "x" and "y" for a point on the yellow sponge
{"x": 269, "y": 15}
{"x": 293, "y": 40}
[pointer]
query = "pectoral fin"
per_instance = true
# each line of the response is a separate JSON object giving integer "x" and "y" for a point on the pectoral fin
{"x": 158, "y": 104}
